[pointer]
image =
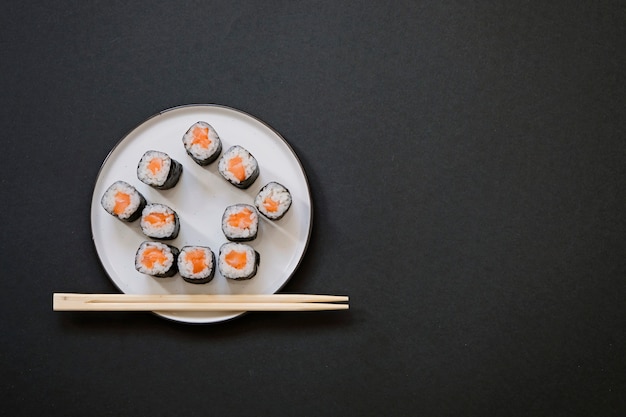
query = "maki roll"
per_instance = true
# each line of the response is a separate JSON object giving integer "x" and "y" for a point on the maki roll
{"x": 123, "y": 201}
{"x": 202, "y": 143}
{"x": 238, "y": 261}
{"x": 158, "y": 170}
{"x": 273, "y": 200}
{"x": 196, "y": 264}
{"x": 239, "y": 167}
{"x": 240, "y": 223}
{"x": 158, "y": 221}
{"x": 156, "y": 259}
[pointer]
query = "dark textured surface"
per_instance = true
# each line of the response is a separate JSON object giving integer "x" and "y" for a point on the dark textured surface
{"x": 467, "y": 166}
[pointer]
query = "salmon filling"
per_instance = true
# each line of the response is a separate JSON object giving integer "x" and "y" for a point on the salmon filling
{"x": 159, "y": 219}
{"x": 241, "y": 219}
{"x": 270, "y": 205}
{"x": 197, "y": 259}
{"x": 151, "y": 256}
{"x": 235, "y": 166}
{"x": 122, "y": 200}
{"x": 236, "y": 259}
{"x": 155, "y": 165}
{"x": 201, "y": 137}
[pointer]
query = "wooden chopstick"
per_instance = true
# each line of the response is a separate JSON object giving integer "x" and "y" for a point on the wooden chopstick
{"x": 197, "y": 302}
{"x": 203, "y": 298}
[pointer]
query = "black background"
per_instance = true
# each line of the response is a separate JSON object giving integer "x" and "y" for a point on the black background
{"x": 467, "y": 167}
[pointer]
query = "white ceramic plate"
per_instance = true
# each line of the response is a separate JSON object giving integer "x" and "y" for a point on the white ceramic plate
{"x": 200, "y": 198}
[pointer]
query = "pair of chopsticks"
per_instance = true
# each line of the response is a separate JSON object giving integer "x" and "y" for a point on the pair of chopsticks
{"x": 197, "y": 302}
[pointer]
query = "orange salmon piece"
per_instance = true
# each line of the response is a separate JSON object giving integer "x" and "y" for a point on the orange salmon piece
{"x": 159, "y": 219}
{"x": 155, "y": 165}
{"x": 153, "y": 256}
{"x": 235, "y": 166}
{"x": 236, "y": 259}
{"x": 201, "y": 137}
{"x": 270, "y": 205}
{"x": 122, "y": 200}
{"x": 197, "y": 259}
{"x": 241, "y": 219}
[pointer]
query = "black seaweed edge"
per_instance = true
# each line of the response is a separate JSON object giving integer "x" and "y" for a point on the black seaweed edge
{"x": 306, "y": 180}
{"x": 257, "y": 262}
{"x": 211, "y": 158}
{"x": 241, "y": 239}
{"x": 173, "y": 270}
{"x": 245, "y": 184}
{"x": 137, "y": 213}
{"x": 201, "y": 280}
{"x": 174, "y": 234}
{"x": 176, "y": 170}
{"x": 274, "y": 219}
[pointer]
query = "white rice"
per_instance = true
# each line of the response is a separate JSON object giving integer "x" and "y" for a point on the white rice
{"x": 231, "y": 272}
{"x": 144, "y": 173}
{"x": 195, "y": 149}
{"x": 249, "y": 162}
{"x": 157, "y": 268}
{"x": 161, "y": 230}
{"x": 277, "y": 192}
{"x": 108, "y": 199}
{"x": 185, "y": 267}
{"x": 240, "y": 232}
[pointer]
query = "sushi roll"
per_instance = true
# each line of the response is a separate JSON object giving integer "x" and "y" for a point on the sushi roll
{"x": 158, "y": 170}
{"x": 158, "y": 221}
{"x": 202, "y": 143}
{"x": 239, "y": 167}
{"x": 238, "y": 261}
{"x": 196, "y": 264}
{"x": 123, "y": 201}
{"x": 240, "y": 223}
{"x": 273, "y": 201}
{"x": 156, "y": 259}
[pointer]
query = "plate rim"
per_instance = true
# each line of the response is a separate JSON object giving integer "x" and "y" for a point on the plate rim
{"x": 200, "y": 105}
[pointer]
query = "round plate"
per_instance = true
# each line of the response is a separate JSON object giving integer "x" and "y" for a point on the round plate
{"x": 200, "y": 198}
